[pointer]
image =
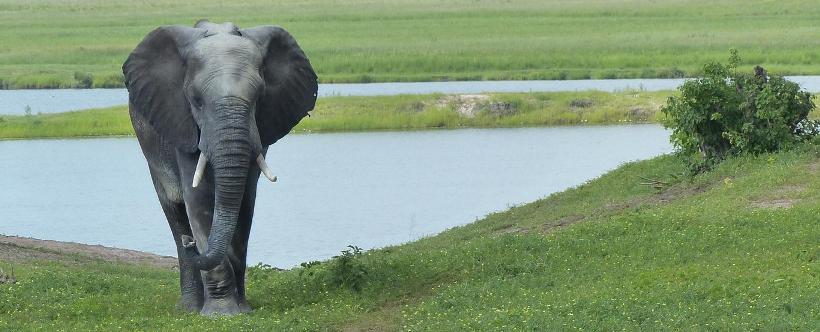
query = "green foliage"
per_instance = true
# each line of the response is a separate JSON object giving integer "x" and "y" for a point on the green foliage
{"x": 728, "y": 112}
{"x": 84, "y": 80}
{"x": 97, "y": 122}
{"x": 347, "y": 270}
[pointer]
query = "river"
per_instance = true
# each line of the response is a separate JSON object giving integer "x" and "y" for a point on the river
{"x": 366, "y": 189}
{"x": 15, "y": 102}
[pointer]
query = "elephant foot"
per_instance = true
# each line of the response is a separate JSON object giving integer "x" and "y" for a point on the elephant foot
{"x": 221, "y": 307}
{"x": 190, "y": 303}
{"x": 244, "y": 307}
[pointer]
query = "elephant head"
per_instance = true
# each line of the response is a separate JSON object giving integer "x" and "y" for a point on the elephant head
{"x": 225, "y": 94}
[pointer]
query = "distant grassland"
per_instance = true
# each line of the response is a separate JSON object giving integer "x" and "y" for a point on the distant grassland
{"x": 58, "y": 43}
{"x": 403, "y": 112}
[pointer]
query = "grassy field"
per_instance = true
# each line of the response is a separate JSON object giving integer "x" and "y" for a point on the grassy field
{"x": 404, "y": 112}
{"x": 733, "y": 249}
{"x": 57, "y": 43}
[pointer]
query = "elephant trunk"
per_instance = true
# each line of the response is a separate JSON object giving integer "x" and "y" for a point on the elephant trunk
{"x": 229, "y": 157}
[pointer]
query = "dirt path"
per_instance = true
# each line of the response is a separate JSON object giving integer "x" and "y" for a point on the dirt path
{"x": 23, "y": 249}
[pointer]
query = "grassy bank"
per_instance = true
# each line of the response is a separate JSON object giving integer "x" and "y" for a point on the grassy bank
{"x": 732, "y": 249}
{"x": 403, "y": 112}
{"x": 83, "y": 43}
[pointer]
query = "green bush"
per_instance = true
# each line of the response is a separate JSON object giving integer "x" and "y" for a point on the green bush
{"x": 84, "y": 80}
{"x": 727, "y": 112}
{"x": 347, "y": 270}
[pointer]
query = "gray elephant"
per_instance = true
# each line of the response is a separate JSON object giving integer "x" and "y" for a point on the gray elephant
{"x": 206, "y": 102}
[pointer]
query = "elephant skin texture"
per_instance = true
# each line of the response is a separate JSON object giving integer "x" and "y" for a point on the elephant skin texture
{"x": 206, "y": 102}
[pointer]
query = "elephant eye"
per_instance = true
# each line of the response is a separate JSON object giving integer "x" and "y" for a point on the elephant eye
{"x": 197, "y": 102}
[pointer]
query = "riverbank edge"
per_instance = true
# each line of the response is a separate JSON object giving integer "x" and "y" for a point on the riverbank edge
{"x": 22, "y": 249}
{"x": 390, "y": 113}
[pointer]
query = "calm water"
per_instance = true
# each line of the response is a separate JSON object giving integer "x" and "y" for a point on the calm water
{"x": 62, "y": 100}
{"x": 365, "y": 189}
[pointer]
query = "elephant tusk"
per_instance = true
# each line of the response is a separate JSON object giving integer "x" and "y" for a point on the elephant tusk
{"x": 264, "y": 167}
{"x": 200, "y": 169}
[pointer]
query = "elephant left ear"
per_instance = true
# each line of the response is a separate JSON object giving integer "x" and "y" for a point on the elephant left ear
{"x": 291, "y": 85}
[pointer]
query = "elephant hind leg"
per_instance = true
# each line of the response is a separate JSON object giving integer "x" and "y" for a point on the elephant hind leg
{"x": 190, "y": 281}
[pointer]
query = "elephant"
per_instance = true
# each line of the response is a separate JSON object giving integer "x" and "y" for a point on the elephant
{"x": 206, "y": 102}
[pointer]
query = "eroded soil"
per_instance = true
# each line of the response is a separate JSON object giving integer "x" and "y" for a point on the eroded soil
{"x": 23, "y": 249}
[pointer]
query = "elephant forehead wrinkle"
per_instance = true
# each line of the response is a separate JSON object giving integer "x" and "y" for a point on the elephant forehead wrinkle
{"x": 234, "y": 102}
{"x": 228, "y": 59}
{"x": 226, "y": 81}
{"x": 225, "y": 42}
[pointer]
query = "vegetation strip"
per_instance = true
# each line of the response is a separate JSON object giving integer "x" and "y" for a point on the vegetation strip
{"x": 644, "y": 247}
{"x": 83, "y": 43}
{"x": 404, "y": 112}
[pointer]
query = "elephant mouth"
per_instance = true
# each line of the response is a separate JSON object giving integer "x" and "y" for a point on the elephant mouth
{"x": 203, "y": 162}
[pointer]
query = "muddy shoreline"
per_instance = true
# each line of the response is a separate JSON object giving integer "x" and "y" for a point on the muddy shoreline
{"x": 24, "y": 249}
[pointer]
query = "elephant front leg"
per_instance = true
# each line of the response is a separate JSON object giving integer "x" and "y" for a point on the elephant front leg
{"x": 239, "y": 246}
{"x": 219, "y": 283}
{"x": 220, "y": 288}
{"x": 190, "y": 282}
{"x": 221, "y": 297}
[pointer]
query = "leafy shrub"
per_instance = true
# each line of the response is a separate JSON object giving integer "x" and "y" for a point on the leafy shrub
{"x": 581, "y": 103}
{"x": 84, "y": 80}
{"x": 110, "y": 81}
{"x": 347, "y": 270}
{"x": 726, "y": 112}
{"x": 314, "y": 278}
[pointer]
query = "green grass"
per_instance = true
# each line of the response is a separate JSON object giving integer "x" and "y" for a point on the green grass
{"x": 709, "y": 252}
{"x": 43, "y": 44}
{"x": 402, "y": 112}
{"x": 95, "y": 122}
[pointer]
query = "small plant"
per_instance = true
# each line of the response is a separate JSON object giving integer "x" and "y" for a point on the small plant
{"x": 308, "y": 265}
{"x": 308, "y": 268}
{"x": 266, "y": 267}
{"x": 7, "y": 278}
{"x": 726, "y": 112}
{"x": 84, "y": 80}
{"x": 347, "y": 270}
{"x": 581, "y": 103}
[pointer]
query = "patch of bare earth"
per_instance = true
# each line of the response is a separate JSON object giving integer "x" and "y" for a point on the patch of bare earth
{"x": 774, "y": 204}
{"x": 469, "y": 106}
{"x": 387, "y": 316}
{"x": 466, "y": 105}
{"x": 779, "y": 198}
{"x": 23, "y": 249}
{"x": 669, "y": 194}
{"x": 814, "y": 167}
{"x": 385, "y": 320}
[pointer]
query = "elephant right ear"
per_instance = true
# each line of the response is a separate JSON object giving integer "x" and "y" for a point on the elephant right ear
{"x": 154, "y": 76}
{"x": 291, "y": 85}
